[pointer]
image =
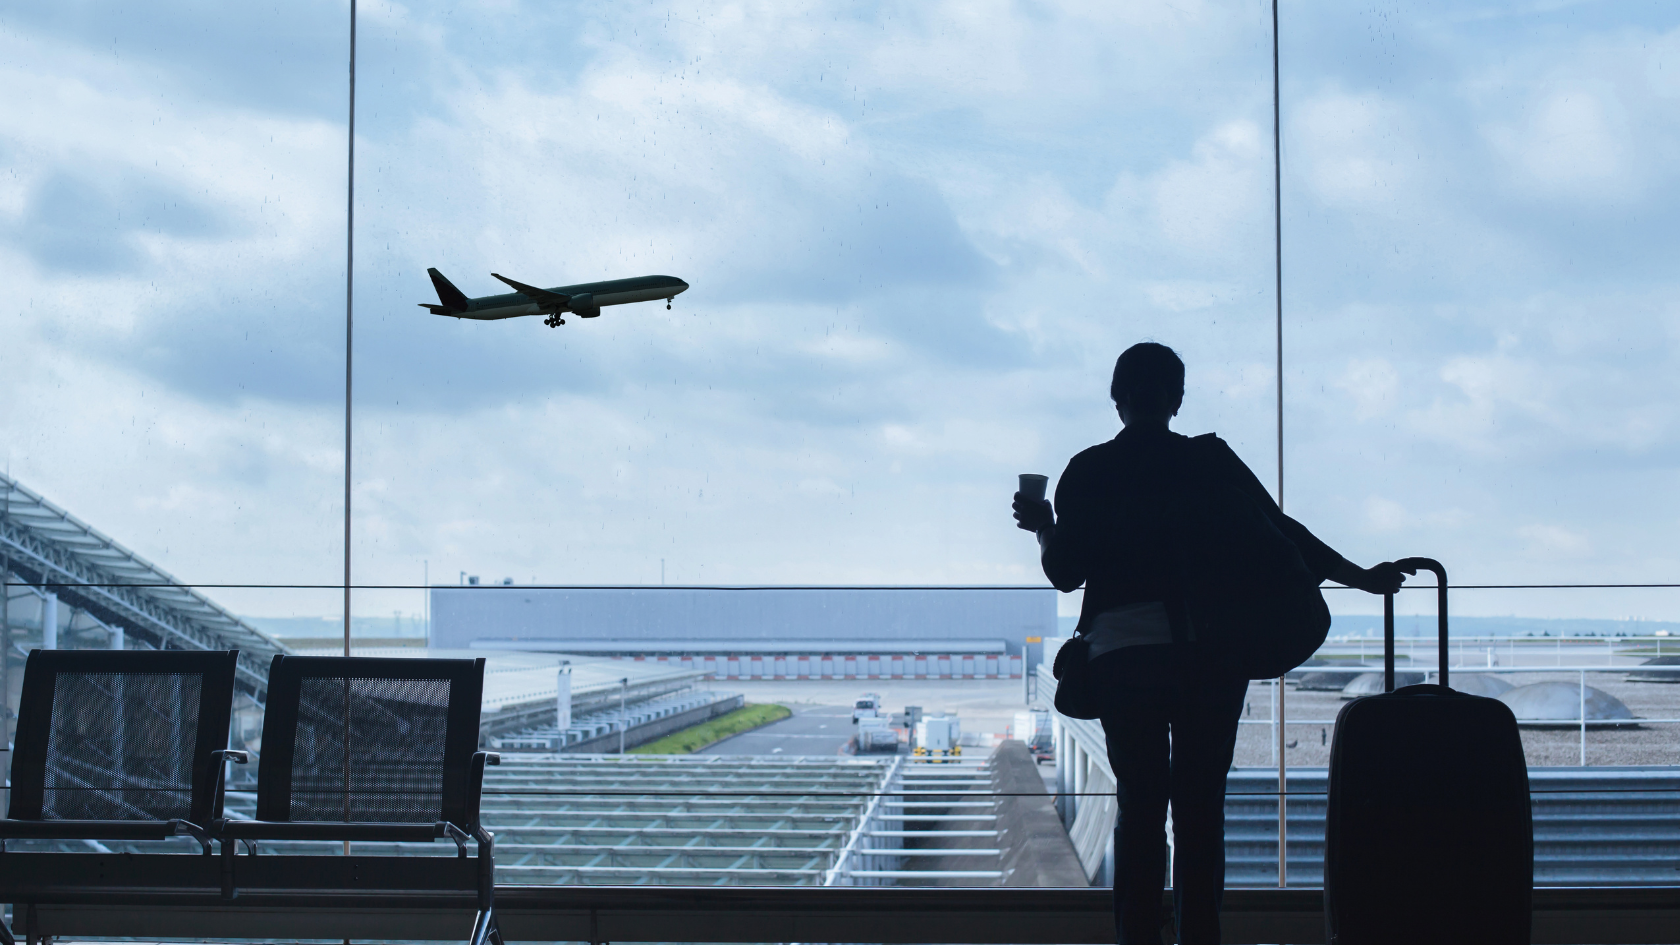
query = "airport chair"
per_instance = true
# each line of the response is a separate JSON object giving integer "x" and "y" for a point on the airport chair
{"x": 115, "y": 745}
{"x": 360, "y": 749}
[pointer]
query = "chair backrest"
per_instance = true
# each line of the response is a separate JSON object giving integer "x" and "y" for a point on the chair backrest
{"x": 121, "y": 734}
{"x": 366, "y": 740}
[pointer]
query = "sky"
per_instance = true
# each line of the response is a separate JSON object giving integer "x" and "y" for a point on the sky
{"x": 917, "y": 236}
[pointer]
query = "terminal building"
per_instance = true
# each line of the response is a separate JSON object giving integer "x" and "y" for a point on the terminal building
{"x": 763, "y": 632}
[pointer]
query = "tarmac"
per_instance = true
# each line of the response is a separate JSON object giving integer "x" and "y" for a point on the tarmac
{"x": 821, "y": 724}
{"x": 982, "y": 705}
{"x": 1310, "y": 725}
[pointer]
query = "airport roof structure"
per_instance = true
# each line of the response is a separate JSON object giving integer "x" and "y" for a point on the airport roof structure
{"x": 702, "y": 820}
{"x": 54, "y": 551}
{"x": 706, "y": 820}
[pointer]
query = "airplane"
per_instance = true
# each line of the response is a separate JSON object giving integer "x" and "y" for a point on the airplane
{"x": 584, "y": 300}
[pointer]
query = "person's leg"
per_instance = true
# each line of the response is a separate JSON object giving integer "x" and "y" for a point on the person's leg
{"x": 1204, "y": 737}
{"x": 1136, "y": 728}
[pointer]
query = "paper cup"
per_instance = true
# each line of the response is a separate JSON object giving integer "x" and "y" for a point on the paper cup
{"x": 1033, "y": 485}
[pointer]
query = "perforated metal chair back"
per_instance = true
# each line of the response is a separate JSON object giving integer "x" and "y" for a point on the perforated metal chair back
{"x": 121, "y": 735}
{"x": 368, "y": 740}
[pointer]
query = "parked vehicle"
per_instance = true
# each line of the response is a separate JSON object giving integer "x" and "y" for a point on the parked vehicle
{"x": 868, "y": 707}
{"x": 939, "y": 736}
{"x": 1033, "y": 727}
{"x": 876, "y": 734}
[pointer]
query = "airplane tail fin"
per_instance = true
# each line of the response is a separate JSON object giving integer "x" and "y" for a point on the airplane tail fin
{"x": 451, "y": 297}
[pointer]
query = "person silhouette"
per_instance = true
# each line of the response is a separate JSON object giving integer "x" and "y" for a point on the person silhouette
{"x": 1169, "y": 715}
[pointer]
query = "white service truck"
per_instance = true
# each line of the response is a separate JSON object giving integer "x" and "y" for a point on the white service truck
{"x": 1033, "y": 727}
{"x": 939, "y": 736}
{"x": 868, "y": 707}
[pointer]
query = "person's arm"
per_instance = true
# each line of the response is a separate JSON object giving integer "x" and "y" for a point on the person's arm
{"x": 1061, "y": 545}
{"x": 1322, "y": 560}
{"x": 1384, "y": 578}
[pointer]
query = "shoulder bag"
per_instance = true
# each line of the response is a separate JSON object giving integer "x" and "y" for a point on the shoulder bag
{"x": 1254, "y": 606}
{"x": 1076, "y": 690}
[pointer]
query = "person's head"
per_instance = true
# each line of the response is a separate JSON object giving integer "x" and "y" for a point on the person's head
{"x": 1148, "y": 384}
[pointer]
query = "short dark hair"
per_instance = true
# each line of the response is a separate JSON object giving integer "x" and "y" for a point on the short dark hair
{"x": 1150, "y": 376}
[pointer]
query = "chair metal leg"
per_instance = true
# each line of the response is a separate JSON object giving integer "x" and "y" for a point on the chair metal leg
{"x": 229, "y": 850}
{"x": 485, "y": 930}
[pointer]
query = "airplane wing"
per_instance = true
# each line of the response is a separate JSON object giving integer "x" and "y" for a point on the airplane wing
{"x": 535, "y": 294}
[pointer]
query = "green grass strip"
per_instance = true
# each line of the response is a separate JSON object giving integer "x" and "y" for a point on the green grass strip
{"x": 696, "y": 737}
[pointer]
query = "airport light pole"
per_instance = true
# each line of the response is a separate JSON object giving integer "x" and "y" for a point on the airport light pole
{"x": 623, "y": 722}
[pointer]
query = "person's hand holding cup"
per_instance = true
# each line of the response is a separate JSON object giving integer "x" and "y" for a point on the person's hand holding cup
{"x": 1033, "y": 512}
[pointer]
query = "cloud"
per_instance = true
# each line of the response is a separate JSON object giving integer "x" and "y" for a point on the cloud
{"x": 89, "y": 225}
{"x": 917, "y": 239}
{"x": 1373, "y": 384}
{"x": 1348, "y": 147}
{"x": 1210, "y": 201}
{"x": 1554, "y": 541}
{"x": 1569, "y": 148}
{"x": 1386, "y": 515}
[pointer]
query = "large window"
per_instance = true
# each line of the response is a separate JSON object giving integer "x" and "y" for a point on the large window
{"x": 914, "y": 239}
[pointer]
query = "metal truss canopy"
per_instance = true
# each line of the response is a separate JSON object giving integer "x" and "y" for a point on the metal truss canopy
{"x": 50, "y": 548}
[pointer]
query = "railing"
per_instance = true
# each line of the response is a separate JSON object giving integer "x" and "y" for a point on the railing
{"x": 1599, "y": 824}
{"x": 1593, "y": 826}
{"x": 1495, "y": 650}
{"x": 864, "y": 845}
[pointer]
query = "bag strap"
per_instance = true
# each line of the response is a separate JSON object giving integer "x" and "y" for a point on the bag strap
{"x": 1195, "y": 461}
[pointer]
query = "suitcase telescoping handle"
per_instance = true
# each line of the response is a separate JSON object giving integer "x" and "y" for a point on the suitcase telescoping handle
{"x": 1413, "y": 566}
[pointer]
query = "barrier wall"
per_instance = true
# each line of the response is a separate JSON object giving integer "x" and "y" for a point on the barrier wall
{"x": 850, "y": 666}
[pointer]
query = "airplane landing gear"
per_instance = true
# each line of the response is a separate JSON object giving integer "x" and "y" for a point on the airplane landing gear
{"x": 554, "y": 320}
{"x": 667, "y": 305}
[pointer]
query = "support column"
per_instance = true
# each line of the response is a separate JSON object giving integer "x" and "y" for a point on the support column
{"x": 1058, "y": 734}
{"x": 563, "y": 701}
{"x": 7, "y": 713}
{"x": 1080, "y": 765}
{"x": 49, "y": 622}
{"x": 116, "y": 637}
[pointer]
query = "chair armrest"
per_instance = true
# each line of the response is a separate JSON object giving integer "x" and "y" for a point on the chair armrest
{"x": 190, "y": 829}
{"x": 327, "y": 830}
{"x": 475, "y": 782}
{"x": 103, "y": 830}
{"x": 447, "y": 829}
{"x": 222, "y": 756}
{"x": 86, "y": 829}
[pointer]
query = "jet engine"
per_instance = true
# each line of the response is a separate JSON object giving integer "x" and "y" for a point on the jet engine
{"x": 585, "y": 306}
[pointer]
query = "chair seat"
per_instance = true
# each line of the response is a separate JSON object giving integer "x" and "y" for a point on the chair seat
{"x": 329, "y": 830}
{"x": 94, "y": 829}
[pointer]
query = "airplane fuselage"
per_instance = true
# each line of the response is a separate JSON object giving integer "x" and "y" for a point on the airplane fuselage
{"x": 610, "y": 292}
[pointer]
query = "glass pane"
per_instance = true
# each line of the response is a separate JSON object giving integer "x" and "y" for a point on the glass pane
{"x": 901, "y": 247}
{"x": 173, "y": 357}
{"x": 1475, "y": 337}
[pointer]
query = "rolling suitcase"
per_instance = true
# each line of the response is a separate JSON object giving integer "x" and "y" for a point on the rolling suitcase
{"x": 1428, "y": 834}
